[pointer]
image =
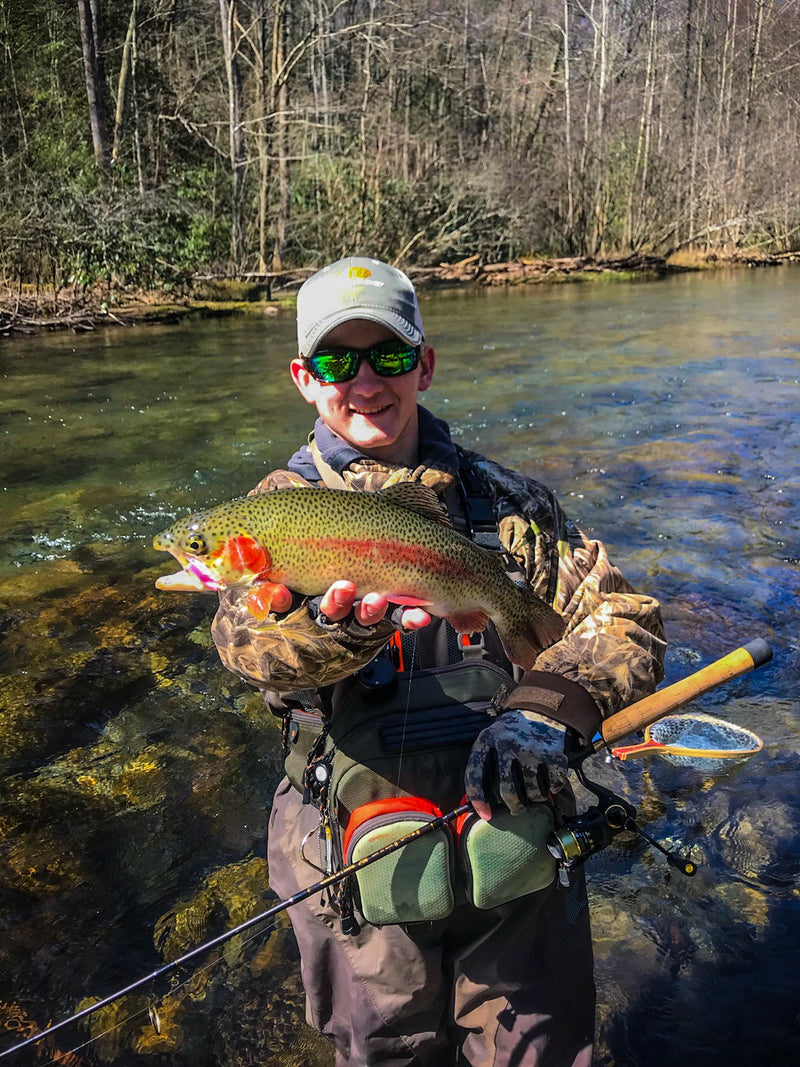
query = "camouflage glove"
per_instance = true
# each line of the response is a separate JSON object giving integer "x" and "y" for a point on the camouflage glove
{"x": 516, "y": 761}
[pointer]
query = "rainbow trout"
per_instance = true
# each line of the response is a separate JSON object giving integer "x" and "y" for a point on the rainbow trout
{"x": 397, "y": 542}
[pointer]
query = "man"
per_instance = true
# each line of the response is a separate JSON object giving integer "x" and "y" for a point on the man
{"x": 483, "y": 984}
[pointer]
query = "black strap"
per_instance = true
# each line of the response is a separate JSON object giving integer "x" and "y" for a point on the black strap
{"x": 558, "y": 698}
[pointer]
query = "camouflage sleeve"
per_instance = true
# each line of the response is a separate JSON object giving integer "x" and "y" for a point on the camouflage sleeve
{"x": 298, "y": 649}
{"x": 614, "y": 642}
{"x": 295, "y": 650}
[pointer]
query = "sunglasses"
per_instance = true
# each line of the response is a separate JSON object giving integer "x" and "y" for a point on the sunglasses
{"x": 389, "y": 359}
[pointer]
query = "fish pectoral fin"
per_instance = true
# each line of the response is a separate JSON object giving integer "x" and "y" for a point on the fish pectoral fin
{"x": 408, "y": 601}
{"x": 182, "y": 582}
{"x": 469, "y": 622}
{"x": 260, "y": 597}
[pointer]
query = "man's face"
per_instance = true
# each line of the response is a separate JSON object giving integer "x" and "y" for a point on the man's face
{"x": 378, "y": 416}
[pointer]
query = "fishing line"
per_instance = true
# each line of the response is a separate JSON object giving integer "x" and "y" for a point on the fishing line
{"x": 413, "y": 644}
{"x": 161, "y": 998}
{"x": 283, "y": 905}
{"x": 162, "y": 970}
{"x": 85, "y": 1044}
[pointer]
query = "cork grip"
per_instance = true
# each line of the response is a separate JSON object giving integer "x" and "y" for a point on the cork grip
{"x": 663, "y": 701}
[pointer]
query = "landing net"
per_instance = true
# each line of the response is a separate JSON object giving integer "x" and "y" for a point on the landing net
{"x": 686, "y": 738}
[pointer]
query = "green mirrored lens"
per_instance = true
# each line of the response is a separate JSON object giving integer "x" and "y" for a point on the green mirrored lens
{"x": 334, "y": 366}
{"x": 388, "y": 359}
{"x": 395, "y": 360}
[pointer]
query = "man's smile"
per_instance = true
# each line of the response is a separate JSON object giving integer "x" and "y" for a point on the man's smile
{"x": 369, "y": 411}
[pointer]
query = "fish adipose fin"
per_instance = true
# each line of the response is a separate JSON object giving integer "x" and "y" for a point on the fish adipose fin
{"x": 415, "y": 497}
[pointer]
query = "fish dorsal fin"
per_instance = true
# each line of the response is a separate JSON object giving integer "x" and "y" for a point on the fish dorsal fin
{"x": 415, "y": 497}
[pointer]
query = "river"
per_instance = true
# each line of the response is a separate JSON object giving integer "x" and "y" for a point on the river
{"x": 137, "y": 774}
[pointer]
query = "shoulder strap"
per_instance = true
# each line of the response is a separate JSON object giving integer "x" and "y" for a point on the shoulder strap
{"x": 328, "y": 475}
{"x": 482, "y": 519}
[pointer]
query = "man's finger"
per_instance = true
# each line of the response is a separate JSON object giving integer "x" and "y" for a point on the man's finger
{"x": 281, "y": 599}
{"x": 338, "y": 601}
{"x": 415, "y": 619}
{"x": 482, "y": 810}
{"x": 371, "y": 609}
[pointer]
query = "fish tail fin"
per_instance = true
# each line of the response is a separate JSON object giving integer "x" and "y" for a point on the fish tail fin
{"x": 527, "y": 627}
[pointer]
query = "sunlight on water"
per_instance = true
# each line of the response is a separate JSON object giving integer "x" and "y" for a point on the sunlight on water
{"x": 137, "y": 773}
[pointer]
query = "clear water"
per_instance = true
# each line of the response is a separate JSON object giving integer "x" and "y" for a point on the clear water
{"x": 137, "y": 773}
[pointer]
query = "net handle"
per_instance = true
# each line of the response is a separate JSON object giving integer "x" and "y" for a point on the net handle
{"x": 627, "y": 751}
{"x": 644, "y": 712}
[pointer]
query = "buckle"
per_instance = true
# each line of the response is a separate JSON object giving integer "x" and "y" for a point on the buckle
{"x": 472, "y": 646}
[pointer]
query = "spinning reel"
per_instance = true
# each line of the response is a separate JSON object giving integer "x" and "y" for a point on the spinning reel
{"x": 583, "y": 835}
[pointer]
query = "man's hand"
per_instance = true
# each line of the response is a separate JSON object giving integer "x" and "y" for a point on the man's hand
{"x": 336, "y": 604}
{"x": 340, "y": 600}
{"x": 518, "y": 760}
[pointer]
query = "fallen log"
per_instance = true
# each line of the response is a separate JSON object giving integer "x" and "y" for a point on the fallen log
{"x": 519, "y": 271}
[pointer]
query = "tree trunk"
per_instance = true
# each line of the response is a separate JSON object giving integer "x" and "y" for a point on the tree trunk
{"x": 93, "y": 76}
{"x": 570, "y": 219}
{"x": 280, "y": 108}
{"x": 596, "y": 236}
{"x": 363, "y": 192}
{"x": 236, "y": 150}
{"x": 263, "y": 97}
{"x": 638, "y": 185}
{"x": 698, "y": 97}
{"x": 123, "y": 84}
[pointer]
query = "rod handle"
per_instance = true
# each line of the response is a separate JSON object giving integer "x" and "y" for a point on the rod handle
{"x": 644, "y": 712}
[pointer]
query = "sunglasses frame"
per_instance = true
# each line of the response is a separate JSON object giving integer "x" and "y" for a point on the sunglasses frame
{"x": 370, "y": 354}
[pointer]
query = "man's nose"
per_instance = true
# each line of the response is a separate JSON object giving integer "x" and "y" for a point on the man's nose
{"x": 366, "y": 378}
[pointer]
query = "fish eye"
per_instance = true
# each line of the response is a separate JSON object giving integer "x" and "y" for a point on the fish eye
{"x": 197, "y": 544}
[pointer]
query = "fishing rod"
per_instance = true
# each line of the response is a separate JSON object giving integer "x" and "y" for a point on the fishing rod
{"x": 569, "y": 848}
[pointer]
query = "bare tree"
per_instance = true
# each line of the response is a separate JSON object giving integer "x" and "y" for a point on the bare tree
{"x": 89, "y": 19}
{"x": 229, "y": 19}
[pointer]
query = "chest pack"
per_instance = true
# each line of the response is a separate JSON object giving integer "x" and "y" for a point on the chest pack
{"x": 390, "y": 755}
{"x": 389, "y": 761}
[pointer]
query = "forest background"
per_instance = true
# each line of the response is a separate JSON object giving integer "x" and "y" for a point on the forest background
{"x": 145, "y": 141}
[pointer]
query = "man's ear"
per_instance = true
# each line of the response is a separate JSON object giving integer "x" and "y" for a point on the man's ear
{"x": 427, "y": 363}
{"x": 306, "y": 384}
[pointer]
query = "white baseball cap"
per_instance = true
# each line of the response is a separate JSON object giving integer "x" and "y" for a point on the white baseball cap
{"x": 357, "y": 288}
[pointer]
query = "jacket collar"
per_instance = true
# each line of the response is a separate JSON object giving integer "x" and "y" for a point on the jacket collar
{"x": 436, "y": 449}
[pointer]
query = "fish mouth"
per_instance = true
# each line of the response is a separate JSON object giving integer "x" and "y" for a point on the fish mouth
{"x": 201, "y": 571}
{"x": 193, "y": 566}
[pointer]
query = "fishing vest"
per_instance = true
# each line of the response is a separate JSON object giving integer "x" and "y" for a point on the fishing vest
{"x": 389, "y": 753}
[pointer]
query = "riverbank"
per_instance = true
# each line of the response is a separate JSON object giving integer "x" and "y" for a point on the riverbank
{"x": 25, "y": 310}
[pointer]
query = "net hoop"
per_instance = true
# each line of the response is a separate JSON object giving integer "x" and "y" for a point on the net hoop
{"x": 657, "y": 739}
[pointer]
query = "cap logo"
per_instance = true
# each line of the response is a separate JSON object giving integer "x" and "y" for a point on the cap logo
{"x": 360, "y": 272}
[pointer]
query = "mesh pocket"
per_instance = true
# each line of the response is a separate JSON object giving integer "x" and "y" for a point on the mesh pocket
{"x": 507, "y": 857}
{"x": 412, "y": 884}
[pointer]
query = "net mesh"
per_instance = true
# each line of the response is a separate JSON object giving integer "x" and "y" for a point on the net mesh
{"x": 692, "y": 737}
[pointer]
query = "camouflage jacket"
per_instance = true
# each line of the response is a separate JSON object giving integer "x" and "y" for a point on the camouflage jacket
{"x": 613, "y": 644}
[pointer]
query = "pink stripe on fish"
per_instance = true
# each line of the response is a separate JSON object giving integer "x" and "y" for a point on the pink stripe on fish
{"x": 391, "y": 552}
